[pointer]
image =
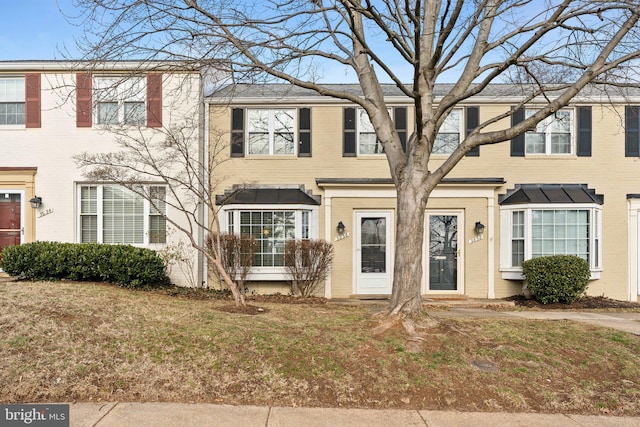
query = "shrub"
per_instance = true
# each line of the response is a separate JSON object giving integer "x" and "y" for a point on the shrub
{"x": 236, "y": 254}
{"x": 557, "y": 278}
{"x": 124, "y": 265}
{"x": 308, "y": 262}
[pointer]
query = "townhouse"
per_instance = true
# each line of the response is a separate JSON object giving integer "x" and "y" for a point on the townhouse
{"x": 300, "y": 165}
{"x": 51, "y": 111}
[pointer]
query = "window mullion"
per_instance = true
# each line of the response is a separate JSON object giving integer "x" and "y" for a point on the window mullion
{"x": 272, "y": 130}
{"x": 99, "y": 213}
{"x": 146, "y": 213}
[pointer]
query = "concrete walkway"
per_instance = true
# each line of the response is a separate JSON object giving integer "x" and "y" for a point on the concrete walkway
{"x": 186, "y": 415}
{"x": 623, "y": 321}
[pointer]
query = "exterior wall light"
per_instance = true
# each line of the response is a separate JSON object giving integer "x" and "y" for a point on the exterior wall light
{"x": 479, "y": 228}
{"x": 36, "y": 202}
{"x": 340, "y": 228}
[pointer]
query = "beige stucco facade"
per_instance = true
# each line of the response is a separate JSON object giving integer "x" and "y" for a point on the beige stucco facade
{"x": 351, "y": 186}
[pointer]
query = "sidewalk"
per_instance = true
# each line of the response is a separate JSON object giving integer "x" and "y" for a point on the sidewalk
{"x": 622, "y": 321}
{"x": 204, "y": 414}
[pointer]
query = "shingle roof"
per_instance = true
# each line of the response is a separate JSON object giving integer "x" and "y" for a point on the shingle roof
{"x": 498, "y": 90}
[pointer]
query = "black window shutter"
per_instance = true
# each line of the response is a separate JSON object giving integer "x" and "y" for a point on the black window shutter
{"x": 584, "y": 131}
{"x": 237, "y": 132}
{"x": 349, "y": 129}
{"x": 517, "y": 143}
{"x": 304, "y": 132}
{"x": 631, "y": 131}
{"x": 472, "y": 115}
{"x": 400, "y": 121}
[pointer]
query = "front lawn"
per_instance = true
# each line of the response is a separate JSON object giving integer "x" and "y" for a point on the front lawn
{"x": 63, "y": 342}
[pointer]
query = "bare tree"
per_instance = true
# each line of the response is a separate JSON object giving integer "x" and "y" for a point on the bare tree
{"x": 308, "y": 262}
{"x": 170, "y": 156}
{"x": 480, "y": 41}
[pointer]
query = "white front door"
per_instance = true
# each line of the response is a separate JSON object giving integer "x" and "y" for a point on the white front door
{"x": 373, "y": 252}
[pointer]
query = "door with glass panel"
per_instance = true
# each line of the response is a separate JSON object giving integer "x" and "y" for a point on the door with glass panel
{"x": 373, "y": 253}
{"x": 11, "y": 219}
{"x": 443, "y": 251}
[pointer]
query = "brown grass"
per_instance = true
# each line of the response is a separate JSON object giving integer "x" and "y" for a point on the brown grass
{"x": 65, "y": 341}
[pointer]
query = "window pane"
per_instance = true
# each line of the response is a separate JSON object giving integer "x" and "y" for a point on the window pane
{"x": 12, "y": 89}
{"x": 446, "y": 143}
{"x": 560, "y": 143}
{"x": 369, "y": 144}
{"x": 258, "y": 121}
{"x": 134, "y": 113}
{"x": 283, "y": 144}
{"x": 534, "y": 142}
{"x": 258, "y": 143}
{"x": 284, "y": 121}
{"x": 560, "y": 232}
{"x": 123, "y": 216}
{"x": 107, "y": 113}
{"x": 89, "y": 229}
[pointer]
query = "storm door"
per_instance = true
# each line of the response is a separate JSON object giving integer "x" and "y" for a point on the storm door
{"x": 373, "y": 253}
{"x": 444, "y": 252}
{"x": 11, "y": 219}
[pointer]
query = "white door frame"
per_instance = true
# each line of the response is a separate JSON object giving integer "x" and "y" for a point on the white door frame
{"x": 357, "y": 253}
{"x": 460, "y": 243}
{"x": 23, "y": 208}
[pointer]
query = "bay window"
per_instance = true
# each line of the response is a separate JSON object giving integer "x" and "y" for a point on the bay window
{"x": 549, "y": 219}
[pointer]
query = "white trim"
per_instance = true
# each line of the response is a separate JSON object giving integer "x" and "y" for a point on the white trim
{"x": 271, "y": 132}
{"x": 510, "y": 272}
{"x": 270, "y": 273}
{"x": 327, "y": 237}
{"x": 573, "y": 135}
{"x": 146, "y": 211}
{"x": 491, "y": 285}
{"x": 633, "y": 286}
{"x": 390, "y": 239}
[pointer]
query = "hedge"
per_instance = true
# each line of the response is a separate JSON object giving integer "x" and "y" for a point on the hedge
{"x": 557, "y": 278}
{"x": 124, "y": 265}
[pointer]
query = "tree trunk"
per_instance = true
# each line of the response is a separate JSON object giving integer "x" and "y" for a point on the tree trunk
{"x": 238, "y": 296}
{"x": 407, "y": 273}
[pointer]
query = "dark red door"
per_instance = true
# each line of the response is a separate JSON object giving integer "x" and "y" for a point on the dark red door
{"x": 10, "y": 227}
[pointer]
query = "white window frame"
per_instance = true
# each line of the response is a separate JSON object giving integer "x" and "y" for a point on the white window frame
{"x": 147, "y": 212}
{"x": 361, "y": 113}
{"x": 461, "y": 130}
{"x": 546, "y": 124}
{"x": 229, "y": 218}
{"x": 509, "y": 271}
{"x": 122, "y": 90}
{"x": 16, "y": 97}
{"x": 271, "y": 132}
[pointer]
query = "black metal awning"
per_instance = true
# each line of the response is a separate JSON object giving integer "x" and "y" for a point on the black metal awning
{"x": 550, "y": 193}
{"x": 267, "y": 196}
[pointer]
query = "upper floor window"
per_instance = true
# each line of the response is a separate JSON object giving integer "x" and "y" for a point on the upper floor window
{"x": 367, "y": 139}
{"x": 552, "y": 135}
{"x": 448, "y": 137}
{"x": 114, "y": 214}
{"x": 12, "y": 101}
{"x": 120, "y": 101}
{"x": 271, "y": 132}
